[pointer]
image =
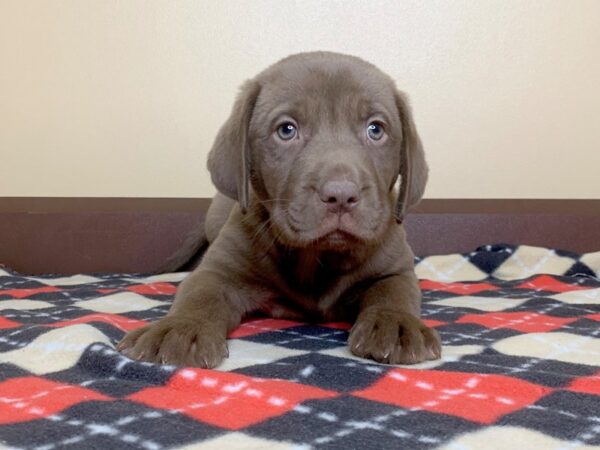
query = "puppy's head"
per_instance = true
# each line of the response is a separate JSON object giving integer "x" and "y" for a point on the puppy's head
{"x": 319, "y": 139}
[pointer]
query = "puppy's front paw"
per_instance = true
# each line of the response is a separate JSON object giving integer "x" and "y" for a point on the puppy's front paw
{"x": 393, "y": 337}
{"x": 177, "y": 340}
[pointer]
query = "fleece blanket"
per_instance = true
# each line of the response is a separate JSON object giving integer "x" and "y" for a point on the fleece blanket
{"x": 520, "y": 369}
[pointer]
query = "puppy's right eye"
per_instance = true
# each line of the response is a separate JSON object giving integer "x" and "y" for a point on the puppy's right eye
{"x": 375, "y": 131}
{"x": 287, "y": 131}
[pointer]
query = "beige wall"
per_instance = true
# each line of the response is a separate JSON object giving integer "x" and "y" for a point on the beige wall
{"x": 123, "y": 98}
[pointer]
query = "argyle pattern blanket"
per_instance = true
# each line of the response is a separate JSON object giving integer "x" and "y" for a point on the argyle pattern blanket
{"x": 521, "y": 367}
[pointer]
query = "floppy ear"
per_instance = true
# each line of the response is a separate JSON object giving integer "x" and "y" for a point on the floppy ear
{"x": 413, "y": 167}
{"x": 229, "y": 158}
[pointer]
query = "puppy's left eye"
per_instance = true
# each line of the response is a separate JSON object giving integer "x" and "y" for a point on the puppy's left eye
{"x": 375, "y": 131}
{"x": 286, "y": 131}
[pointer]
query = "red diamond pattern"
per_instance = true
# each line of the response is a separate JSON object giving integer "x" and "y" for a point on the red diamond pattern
{"x": 457, "y": 288}
{"x": 548, "y": 283}
{"x": 477, "y": 397}
{"x": 7, "y": 323}
{"x": 228, "y": 400}
{"x": 28, "y": 398}
{"x": 25, "y": 293}
{"x": 587, "y": 385}
{"x": 527, "y": 322}
{"x": 433, "y": 323}
{"x": 153, "y": 289}
{"x": 121, "y": 322}
{"x": 253, "y": 327}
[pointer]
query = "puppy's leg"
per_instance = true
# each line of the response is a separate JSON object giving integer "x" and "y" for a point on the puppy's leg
{"x": 388, "y": 328}
{"x": 194, "y": 332}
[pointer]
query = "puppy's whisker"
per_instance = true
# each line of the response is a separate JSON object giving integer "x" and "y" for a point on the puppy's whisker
{"x": 264, "y": 227}
{"x": 273, "y": 200}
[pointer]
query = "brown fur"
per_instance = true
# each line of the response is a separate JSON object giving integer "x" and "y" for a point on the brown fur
{"x": 279, "y": 249}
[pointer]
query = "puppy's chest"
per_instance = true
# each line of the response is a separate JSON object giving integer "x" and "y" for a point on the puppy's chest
{"x": 314, "y": 291}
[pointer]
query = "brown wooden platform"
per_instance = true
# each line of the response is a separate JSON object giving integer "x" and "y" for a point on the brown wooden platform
{"x": 76, "y": 235}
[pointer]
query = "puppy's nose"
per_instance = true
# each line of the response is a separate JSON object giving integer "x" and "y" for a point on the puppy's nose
{"x": 340, "y": 195}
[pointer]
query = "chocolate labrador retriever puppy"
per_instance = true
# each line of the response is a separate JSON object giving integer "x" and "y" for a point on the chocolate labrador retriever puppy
{"x": 307, "y": 224}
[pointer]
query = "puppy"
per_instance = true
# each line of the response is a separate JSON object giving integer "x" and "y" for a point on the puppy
{"x": 307, "y": 224}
